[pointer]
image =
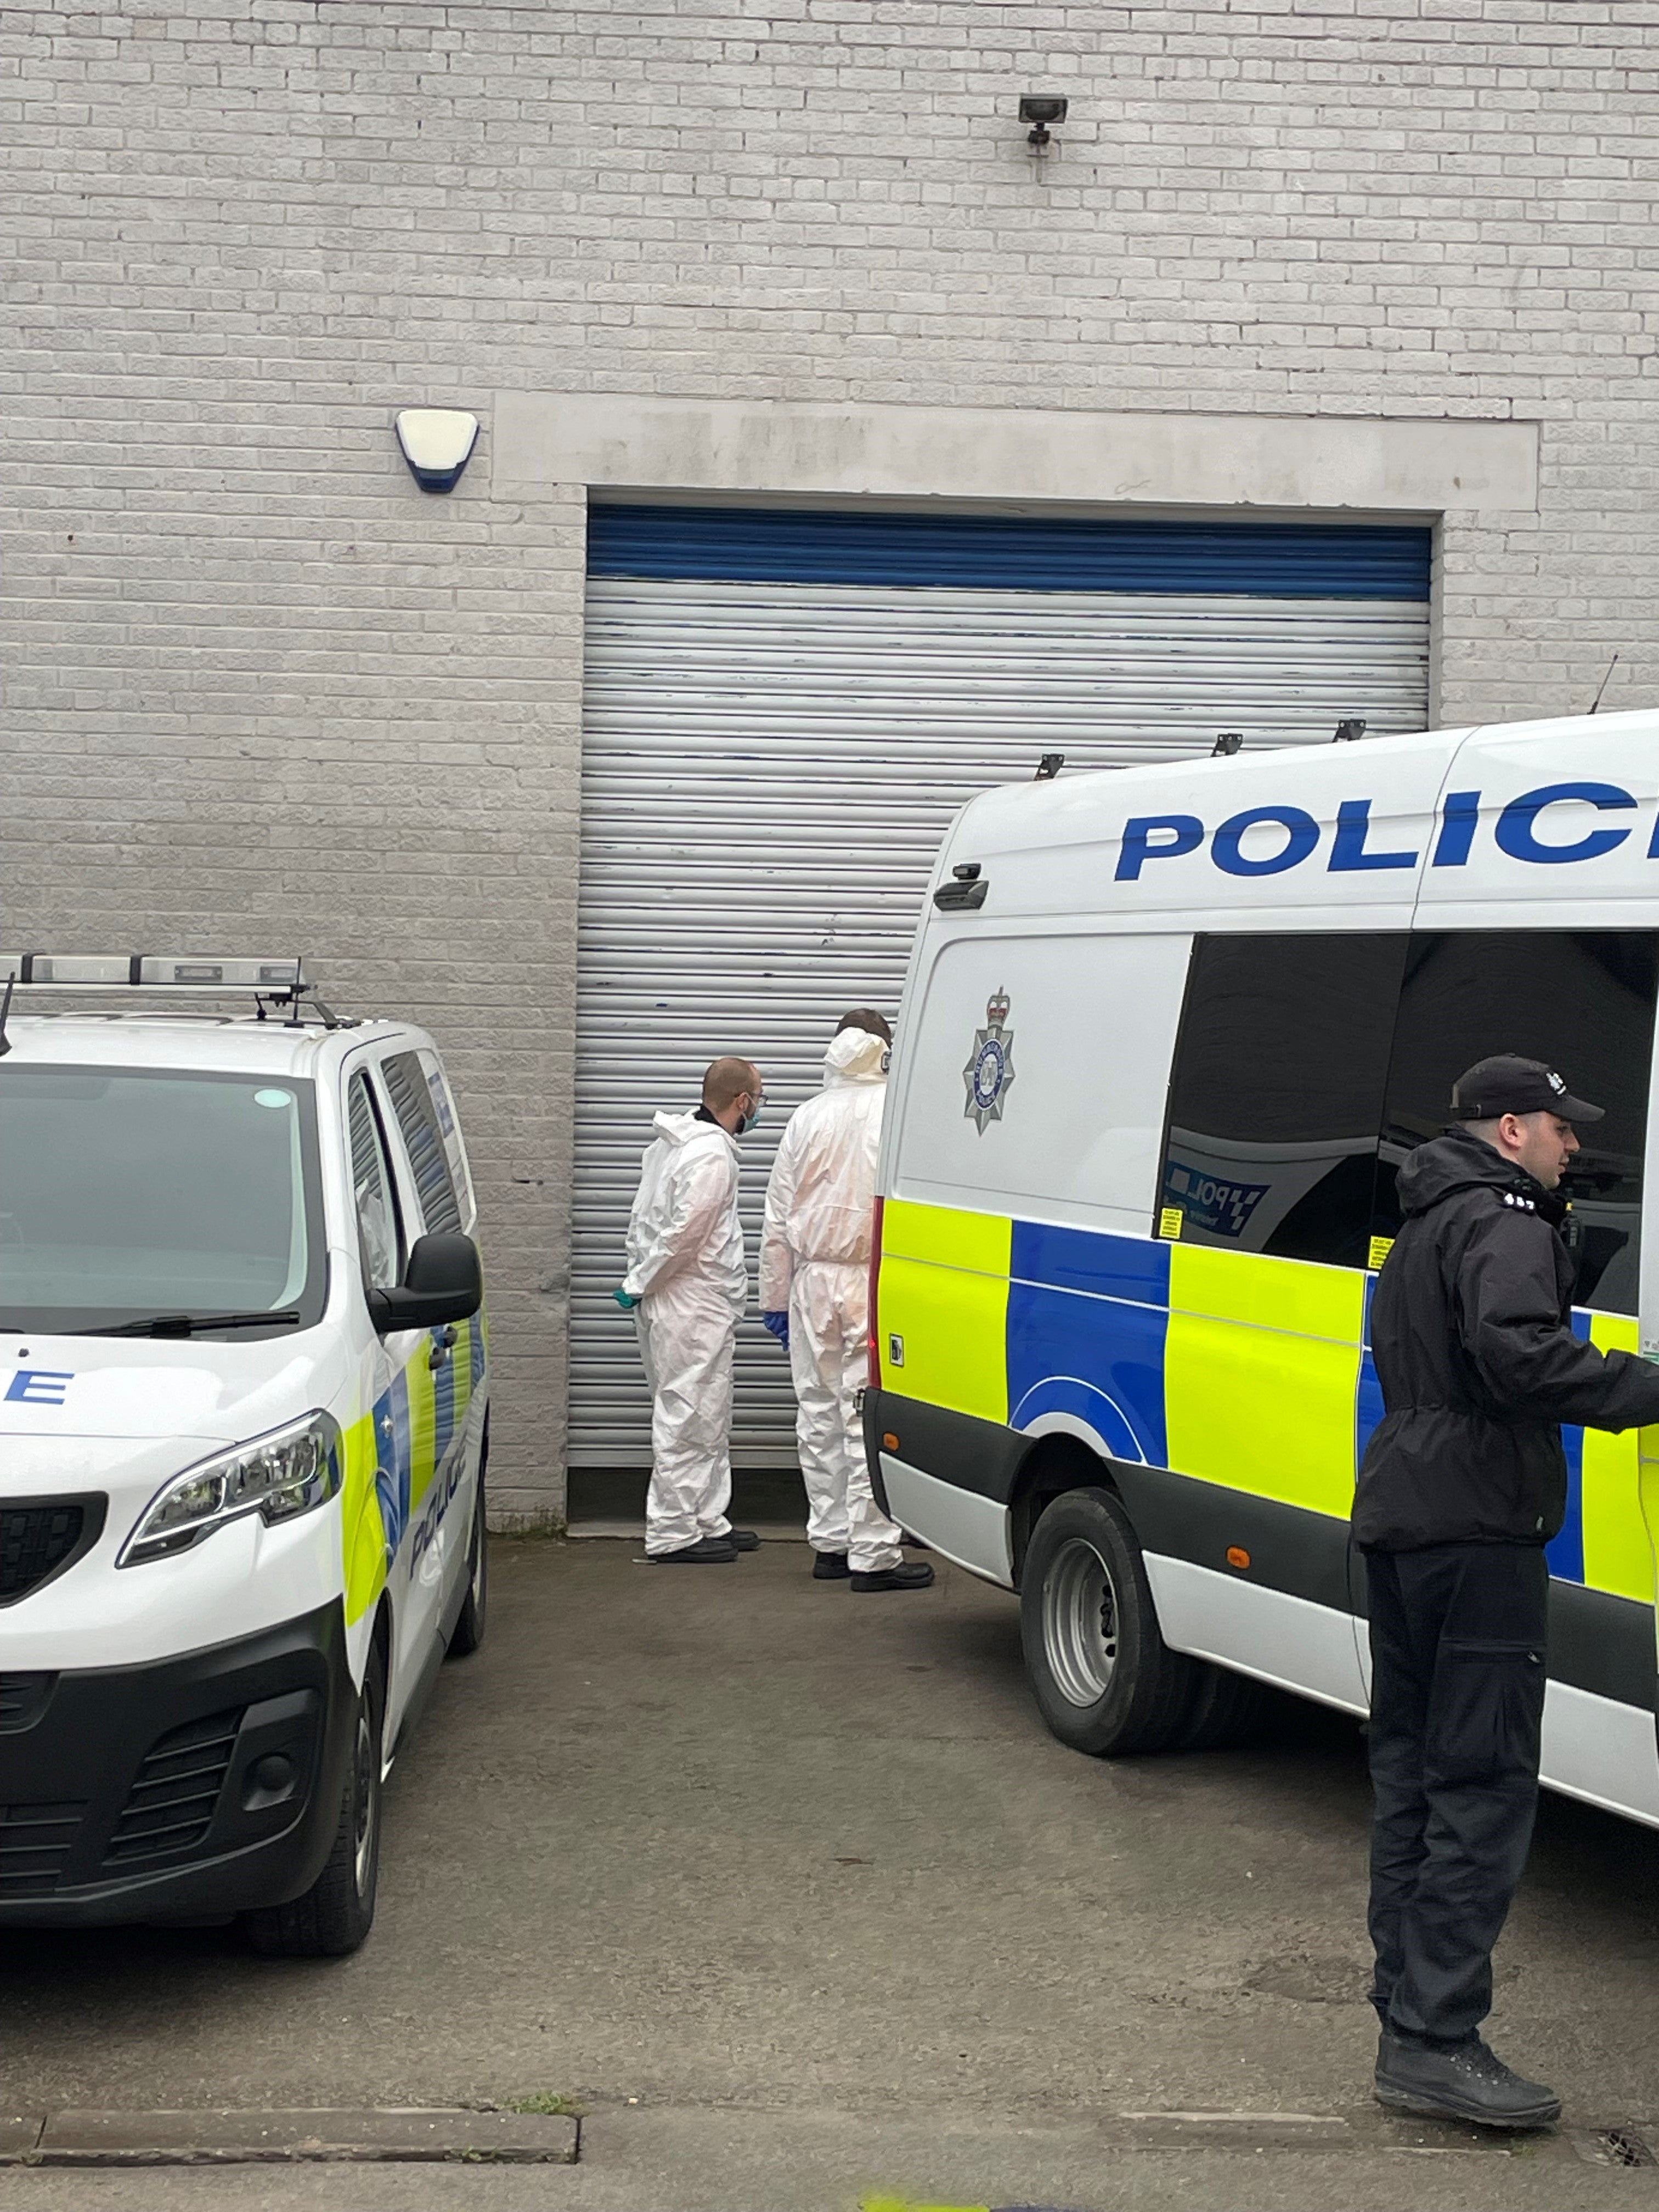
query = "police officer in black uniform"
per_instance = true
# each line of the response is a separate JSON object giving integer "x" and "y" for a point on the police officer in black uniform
{"x": 1462, "y": 1485}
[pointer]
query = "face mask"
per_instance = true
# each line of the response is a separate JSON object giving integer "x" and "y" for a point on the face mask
{"x": 746, "y": 1121}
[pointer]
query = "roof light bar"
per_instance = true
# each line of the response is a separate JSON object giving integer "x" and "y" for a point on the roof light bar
{"x": 103, "y": 971}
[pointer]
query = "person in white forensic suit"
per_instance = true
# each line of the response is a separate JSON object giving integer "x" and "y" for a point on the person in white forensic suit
{"x": 814, "y": 1296}
{"x": 687, "y": 1284}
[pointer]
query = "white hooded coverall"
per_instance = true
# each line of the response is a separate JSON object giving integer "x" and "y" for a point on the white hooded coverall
{"x": 686, "y": 1267}
{"x": 815, "y": 1264}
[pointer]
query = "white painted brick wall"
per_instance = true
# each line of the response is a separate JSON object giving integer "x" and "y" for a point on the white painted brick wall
{"x": 258, "y": 685}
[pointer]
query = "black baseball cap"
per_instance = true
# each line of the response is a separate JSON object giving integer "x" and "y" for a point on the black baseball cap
{"x": 1506, "y": 1083}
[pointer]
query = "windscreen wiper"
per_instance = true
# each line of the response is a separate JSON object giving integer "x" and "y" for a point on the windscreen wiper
{"x": 179, "y": 1324}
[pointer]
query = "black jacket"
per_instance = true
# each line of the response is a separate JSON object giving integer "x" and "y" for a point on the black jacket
{"x": 1471, "y": 1333}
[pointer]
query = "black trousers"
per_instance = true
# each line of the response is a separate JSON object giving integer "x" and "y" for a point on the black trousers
{"x": 1457, "y": 1638}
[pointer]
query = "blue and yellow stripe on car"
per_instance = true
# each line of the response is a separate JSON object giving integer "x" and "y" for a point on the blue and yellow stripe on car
{"x": 1253, "y": 1340}
{"x": 946, "y": 1275}
{"x": 1244, "y": 1372}
{"x": 1604, "y": 1541}
{"x": 393, "y": 1452}
{"x": 362, "y": 1532}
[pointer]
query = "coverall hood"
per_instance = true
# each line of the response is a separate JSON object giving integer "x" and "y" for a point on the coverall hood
{"x": 680, "y": 1128}
{"x": 856, "y": 1056}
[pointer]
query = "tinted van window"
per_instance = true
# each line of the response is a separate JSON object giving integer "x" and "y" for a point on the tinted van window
{"x": 1582, "y": 1001}
{"x": 417, "y": 1117}
{"x": 1276, "y": 1093}
{"x": 380, "y": 1236}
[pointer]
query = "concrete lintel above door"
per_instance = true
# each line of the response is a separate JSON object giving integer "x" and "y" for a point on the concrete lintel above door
{"x": 645, "y": 443}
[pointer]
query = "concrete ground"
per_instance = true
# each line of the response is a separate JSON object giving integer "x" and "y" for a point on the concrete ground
{"x": 792, "y": 1888}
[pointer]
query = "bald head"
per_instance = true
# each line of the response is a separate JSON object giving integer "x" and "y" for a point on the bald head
{"x": 731, "y": 1090}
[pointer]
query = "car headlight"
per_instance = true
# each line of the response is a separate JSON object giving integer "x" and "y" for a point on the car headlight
{"x": 288, "y": 1472}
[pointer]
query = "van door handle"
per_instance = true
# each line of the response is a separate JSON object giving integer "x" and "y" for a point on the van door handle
{"x": 443, "y": 1343}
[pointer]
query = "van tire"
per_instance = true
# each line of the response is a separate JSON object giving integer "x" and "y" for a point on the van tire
{"x": 468, "y": 1632}
{"x": 1105, "y": 1681}
{"x": 336, "y": 1912}
{"x": 1226, "y": 1709}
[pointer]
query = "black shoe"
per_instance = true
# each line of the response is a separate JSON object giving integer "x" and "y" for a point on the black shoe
{"x": 829, "y": 1566}
{"x": 1467, "y": 2083}
{"x": 741, "y": 1540}
{"x": 707, "y": 1552}
{"x": 914, "y": 1574}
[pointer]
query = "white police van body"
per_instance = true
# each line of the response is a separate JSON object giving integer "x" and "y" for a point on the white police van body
{"x": 242, "y": 1443}
{"x": 1168, "y": 1034}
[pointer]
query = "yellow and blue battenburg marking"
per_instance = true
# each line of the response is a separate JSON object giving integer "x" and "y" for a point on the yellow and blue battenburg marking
{"x": 1243, "y": 1371}
{"x": 394, "y": 1454}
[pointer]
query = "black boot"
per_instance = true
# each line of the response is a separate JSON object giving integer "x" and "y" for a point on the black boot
{"x": 1467, "y": 2082}
{"x": 829, "y": 1566}
{"x": 742, "y": 1540}
{"x": 707, "y": 1552}
{"x": 914, "y": 1574}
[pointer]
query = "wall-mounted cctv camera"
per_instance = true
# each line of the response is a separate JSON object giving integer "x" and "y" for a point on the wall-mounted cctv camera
{"x": 437, "y": 442}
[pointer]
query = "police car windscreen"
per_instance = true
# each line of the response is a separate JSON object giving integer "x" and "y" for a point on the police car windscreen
{"x": 126, "y": 1193}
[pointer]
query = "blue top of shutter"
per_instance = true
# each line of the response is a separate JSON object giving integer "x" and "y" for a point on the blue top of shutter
{"x": 1259, "y": 560}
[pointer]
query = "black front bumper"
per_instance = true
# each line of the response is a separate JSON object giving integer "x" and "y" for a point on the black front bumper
{"x": 183, "y": 1790}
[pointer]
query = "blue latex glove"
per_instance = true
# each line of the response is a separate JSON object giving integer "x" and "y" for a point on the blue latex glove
{"x": 623, "y": 1300}
{"x": 779, "y": 1325}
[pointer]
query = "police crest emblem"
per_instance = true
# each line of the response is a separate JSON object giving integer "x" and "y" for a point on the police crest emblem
{"x": 990, "y": 1069}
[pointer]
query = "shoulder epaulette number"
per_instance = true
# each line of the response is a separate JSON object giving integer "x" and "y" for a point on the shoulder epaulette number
{"x": 1517, "y": 1200}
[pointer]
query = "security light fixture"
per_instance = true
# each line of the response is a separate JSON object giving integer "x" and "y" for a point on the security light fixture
{"x": 437, "y": 442}
{"x": 1039, "y": 109}
{"x": 1049, "y": 767}
{"x": 1229, "y": 743}
{"x": 1348, "y": 731}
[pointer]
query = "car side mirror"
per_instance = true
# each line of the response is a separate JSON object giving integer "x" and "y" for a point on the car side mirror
{"x": 442, "y": 1283}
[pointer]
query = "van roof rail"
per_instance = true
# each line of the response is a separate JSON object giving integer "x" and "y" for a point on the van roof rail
{"x": 274, "y": 983}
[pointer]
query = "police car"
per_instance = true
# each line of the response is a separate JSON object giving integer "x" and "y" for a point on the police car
{"x": 1167, "y": 1034}
{"x": 243, "y": 1440}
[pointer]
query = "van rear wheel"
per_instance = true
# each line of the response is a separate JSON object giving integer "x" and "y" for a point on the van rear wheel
{"x": 336, "y": 1913}
{"x": 1105, "y": 1681}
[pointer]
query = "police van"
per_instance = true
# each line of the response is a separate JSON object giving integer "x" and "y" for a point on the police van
{"x": 243, "y": 1440}
{"x": 1169, "y": 1033}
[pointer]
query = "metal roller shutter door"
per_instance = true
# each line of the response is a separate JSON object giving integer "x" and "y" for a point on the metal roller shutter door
{"x": 782, "y": 711}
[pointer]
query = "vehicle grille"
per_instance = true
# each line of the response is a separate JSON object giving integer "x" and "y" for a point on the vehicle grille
{"x": 169, "y": 1807}
{"x": 35, "y": 1842}
{"x": 34, "y": 1542}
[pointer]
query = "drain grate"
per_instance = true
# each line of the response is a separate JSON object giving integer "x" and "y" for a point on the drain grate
{"x": 1620, "y": 2147}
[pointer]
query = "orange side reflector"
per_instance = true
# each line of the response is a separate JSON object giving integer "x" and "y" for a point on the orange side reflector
{"x": 890, "y": 1441}
{"x": 1238, "y": 1557}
